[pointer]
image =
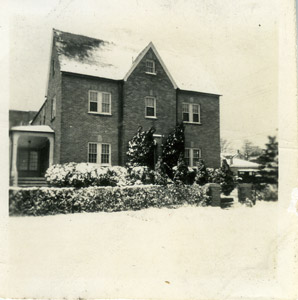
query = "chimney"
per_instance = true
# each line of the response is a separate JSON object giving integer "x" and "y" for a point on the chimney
{"x": 231, "y": 160}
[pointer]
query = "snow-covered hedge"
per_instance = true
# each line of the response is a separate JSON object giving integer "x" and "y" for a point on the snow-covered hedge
{"x": 84, "y": 175}
{"x": 50, "y": 201}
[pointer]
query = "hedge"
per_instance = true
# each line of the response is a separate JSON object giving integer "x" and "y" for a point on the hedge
{"x": 50, "y": 201}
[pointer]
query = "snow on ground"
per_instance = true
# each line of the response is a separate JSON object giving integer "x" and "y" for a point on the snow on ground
{"x": 184, "y": 253}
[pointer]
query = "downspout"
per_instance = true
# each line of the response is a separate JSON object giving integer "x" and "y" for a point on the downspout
{"x": 177, "y": 90}
{"x": 120, "y": 123}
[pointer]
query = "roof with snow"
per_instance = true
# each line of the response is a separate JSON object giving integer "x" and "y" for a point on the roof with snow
{"x": 94, "y": 57}
{"x": 33, "y": 128}
{"x": 241, "y": 163}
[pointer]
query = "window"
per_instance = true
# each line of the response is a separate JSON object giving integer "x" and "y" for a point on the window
{"x": 191, "y": 113}
{"x": 99, "y": 153}
{"x": 53, "y": 108}
{"x": 150, "y": 66}
{"x": 192, "y": 156}
{"x": 33, "y": 160}
{"x": 150, "y": 107}
{"x": 99, "y": 102}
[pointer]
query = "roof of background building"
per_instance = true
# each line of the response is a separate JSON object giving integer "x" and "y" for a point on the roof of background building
{"x": 94, "y": 57}
{"x": 241, "y": 163}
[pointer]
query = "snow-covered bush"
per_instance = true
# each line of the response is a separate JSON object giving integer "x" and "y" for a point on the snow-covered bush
{"x": 141, "y": 149}
{"x": 202, "y": 175}
{"x": 269, "y": 192}
{"x": 160, "y": 175}
{"x": 172, "y": 148}
{"x": 49, "y": 201}
{"x": 84, "y": 174}
{"x": 182, "y": 173}
{"x": 138, "y": 175}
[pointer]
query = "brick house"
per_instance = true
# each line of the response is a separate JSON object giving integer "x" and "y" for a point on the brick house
{"x": 97, "y": 97}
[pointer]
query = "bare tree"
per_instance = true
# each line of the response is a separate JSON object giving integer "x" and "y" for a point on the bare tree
{"x": 249, "y": 149}
{"x": 224, "y": 145}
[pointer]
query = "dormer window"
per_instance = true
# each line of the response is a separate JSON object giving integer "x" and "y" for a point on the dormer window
{"x": 150, "y": 66}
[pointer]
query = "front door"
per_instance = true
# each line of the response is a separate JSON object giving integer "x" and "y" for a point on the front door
{"x": 28, "y": 163}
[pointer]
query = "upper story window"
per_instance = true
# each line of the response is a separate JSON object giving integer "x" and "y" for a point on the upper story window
{"x": 192, "y": 156}
{"x": 53, "y": 108}
{"x": 150, "y": 66}
{"x": 150, "y": 107}
{"x": 191, "y": 113}
{"x": 99, "y": 153}
{"x": 100, "y": 102}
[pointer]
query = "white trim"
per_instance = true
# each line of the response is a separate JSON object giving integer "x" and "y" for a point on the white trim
{"x": 141, "y": 56}
{"x": 50, "y": 62}
{"x": 153, "y": 67}
{"x": 191, "y": 156}
{"x": 150, "y": 117}
{"x": 99, "y": 103}
{"x": 53, "y": 108}
{"x": 190, "y": 112}
{"x": 98, "y": 154}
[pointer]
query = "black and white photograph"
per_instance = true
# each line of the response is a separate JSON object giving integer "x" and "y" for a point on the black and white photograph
{"x": 151, "y": 149}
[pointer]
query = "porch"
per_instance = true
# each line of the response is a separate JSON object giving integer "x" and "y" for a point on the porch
{"x": 31, "y": 153}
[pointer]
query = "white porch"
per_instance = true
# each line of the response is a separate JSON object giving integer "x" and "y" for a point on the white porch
{"x": 31, "y": 152}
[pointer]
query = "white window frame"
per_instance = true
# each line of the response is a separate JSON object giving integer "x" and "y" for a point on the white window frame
{"x": 99, "y": 153}
{"x": 99, "y": 102}
{"x": 191, "y": 156}
{"x": 153, "y": 66}
{"x": 53, "y": 108}
{"x": 190, "y": 112}
{"x": 154, "y": 101}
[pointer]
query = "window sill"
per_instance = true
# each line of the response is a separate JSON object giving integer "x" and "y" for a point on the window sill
{"x": 194, "y": 123}
{"x": 99, "y": 164}
{"x": 154, "y": 118}
{"x": 149, "y": 73}
{"x": 98, "y": 113}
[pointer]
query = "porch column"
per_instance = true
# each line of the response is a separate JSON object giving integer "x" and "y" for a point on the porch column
{"x": 51, "y": 152}
{"x": 14, "y": 169}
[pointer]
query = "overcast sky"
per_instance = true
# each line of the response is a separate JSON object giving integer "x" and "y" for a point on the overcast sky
{"x": 235, "y": 41}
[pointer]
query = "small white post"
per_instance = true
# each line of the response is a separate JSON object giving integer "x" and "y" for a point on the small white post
{"x": 14, "y": 169}
{"x": 51, "y": 152}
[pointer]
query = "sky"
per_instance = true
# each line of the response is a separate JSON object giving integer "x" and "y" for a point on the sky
{"x": 235, "y": 42}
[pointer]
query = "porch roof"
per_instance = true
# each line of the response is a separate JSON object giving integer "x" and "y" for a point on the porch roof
{"x": 33, "y": 128}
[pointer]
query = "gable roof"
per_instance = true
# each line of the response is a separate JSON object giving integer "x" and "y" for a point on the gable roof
{"x": 94, "y": 57}
{"x": 141, "y": 56}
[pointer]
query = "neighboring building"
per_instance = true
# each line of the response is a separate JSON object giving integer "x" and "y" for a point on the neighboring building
{"x": 97, "y": 98}
{"x": 240, "y": 167}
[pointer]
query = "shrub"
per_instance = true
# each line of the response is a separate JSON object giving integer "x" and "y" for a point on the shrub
{"x": 202, "y": 175}
{"x": 49, "y": 201}
{"x": 160, "y": 175}
{"x": 173, "y": 148}
{"x": 140, "y": 175}
{"x": 267, "y": 192}
{"x": 84, "y": 174}
{"x": 141, "y": 149}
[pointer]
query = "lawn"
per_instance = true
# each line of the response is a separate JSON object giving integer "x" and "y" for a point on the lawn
{"x": 189, "y": 252}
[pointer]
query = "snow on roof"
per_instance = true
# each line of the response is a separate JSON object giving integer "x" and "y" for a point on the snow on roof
{"x": 241, "y": 163}
{"x": 33, "y": 128}
{"x": 89, "y": 56}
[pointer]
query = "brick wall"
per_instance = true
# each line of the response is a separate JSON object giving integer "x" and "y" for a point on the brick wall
{"x": 136, "y": 88}
{"x": 79, "y": 127}
{"x": 206, "y": 135}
